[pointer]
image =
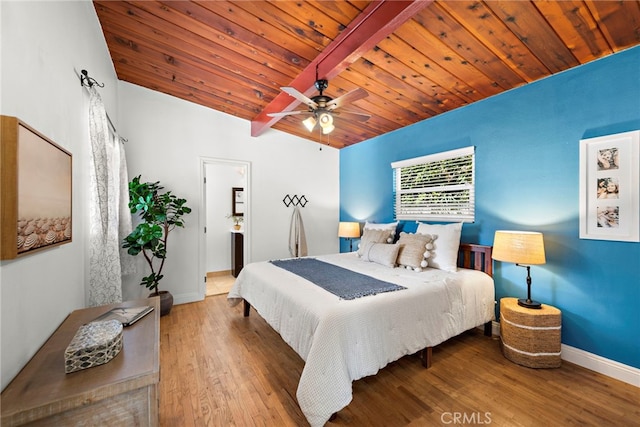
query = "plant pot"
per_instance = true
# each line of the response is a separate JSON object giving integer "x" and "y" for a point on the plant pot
{"x": 237, "y": 226}
{"x": 166, "y": 301}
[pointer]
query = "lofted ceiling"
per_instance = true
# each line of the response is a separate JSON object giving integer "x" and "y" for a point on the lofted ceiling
{"x": 416, "y": 59}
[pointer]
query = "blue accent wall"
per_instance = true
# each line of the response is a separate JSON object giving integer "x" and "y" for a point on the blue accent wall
{"x": 527, "y": 178}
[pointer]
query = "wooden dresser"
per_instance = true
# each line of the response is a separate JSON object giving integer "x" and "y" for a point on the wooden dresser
{"x": 123, "y": 391}
{"x": 237, "y": 252}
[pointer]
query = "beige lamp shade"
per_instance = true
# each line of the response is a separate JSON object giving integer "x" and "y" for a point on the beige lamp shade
{"x": 309, "y": 123}
{"x": 520, "y": 247}
{"x": 349, "y": 229}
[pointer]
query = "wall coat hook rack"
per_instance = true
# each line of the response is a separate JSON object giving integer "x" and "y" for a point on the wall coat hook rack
{"x": 294, "y": 200}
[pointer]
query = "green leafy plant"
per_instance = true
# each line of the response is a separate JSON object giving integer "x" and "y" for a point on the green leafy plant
{"x": 160, "y": 212}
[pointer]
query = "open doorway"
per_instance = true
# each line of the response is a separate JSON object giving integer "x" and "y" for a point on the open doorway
{"x": 225, "y": 203}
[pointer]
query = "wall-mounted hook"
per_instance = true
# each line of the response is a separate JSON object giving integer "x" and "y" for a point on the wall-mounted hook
{"x": 87, "y": 81}
{"x": 294, "y": 200}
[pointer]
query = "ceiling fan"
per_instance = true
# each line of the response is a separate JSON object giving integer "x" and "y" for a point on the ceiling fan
{"x": 321, "y": 108}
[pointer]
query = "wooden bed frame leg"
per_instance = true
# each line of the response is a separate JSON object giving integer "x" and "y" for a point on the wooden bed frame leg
{"x": 247, "y": 308}
{"x": 488, "y": 329}
{"x": 427, "y": 357}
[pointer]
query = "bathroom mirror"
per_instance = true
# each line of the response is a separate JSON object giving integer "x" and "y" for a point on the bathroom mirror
{"x": 237, "y": 201}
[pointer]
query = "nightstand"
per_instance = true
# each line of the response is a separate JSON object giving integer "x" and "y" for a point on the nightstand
{"x": 530, "y": 337}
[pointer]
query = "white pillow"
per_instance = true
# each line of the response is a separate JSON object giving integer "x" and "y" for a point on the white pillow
{"x": 373, "y": 226}
{"x": 381, "y": 253}
{"x": 446, "y": 243}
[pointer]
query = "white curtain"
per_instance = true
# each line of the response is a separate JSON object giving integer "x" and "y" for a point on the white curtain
{"x": 108, "y": 198}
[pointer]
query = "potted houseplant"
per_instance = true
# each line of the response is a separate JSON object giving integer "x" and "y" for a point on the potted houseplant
{"x": 160, "y": 212}
{"x": 237, "y": 219}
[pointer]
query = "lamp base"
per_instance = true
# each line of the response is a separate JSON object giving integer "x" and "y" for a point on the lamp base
{"x": 529, "y": 303}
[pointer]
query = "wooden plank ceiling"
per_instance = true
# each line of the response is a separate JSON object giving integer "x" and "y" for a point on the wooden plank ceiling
{"x": 429, "y": 58}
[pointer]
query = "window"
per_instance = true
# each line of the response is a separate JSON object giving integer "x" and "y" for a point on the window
{"x": 436, "y": 187}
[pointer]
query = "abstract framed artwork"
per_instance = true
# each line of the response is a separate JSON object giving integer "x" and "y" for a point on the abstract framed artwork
{"x": 35, "y": 191}
{"x": 610, "y": 187}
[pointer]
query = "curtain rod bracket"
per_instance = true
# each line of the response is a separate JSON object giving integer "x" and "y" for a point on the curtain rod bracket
{"x": 87, "y": 81}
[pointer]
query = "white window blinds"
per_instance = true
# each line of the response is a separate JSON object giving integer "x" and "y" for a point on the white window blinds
{"x": 436, "y": 187}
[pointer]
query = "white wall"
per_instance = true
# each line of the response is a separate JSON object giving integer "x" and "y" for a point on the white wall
{"x": 42, "y": 46}
{"x": 169, "y": 137}
{"x": 42, "y": 43}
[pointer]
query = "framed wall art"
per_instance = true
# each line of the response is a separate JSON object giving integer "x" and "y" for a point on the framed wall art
{"x": 35, "y": 191}
{"x": 610, "y": 187}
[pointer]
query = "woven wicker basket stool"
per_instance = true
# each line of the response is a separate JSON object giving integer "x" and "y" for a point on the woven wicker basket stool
{"x": 530, "y": 337}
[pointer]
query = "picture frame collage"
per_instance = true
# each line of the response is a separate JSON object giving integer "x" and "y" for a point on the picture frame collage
{"x": 609, "y": 187}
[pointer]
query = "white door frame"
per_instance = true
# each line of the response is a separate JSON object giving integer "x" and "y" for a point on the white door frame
{"x": 204, "y": 161}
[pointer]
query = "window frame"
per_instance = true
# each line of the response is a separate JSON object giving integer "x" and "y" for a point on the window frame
{"x": 467, "y": 211}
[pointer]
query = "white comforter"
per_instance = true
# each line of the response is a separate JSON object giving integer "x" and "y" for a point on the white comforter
{"x": 344, "y": 340}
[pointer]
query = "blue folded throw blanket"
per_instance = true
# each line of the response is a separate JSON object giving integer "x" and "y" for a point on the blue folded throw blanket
{"x": 339, "y": 281}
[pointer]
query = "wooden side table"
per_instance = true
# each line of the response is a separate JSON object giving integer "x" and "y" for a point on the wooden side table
{"x": 530, "y": 337}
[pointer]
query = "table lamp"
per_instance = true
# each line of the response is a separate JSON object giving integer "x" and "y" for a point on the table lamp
{"x": 524, "y": 248}
{"x": 349, "y": 230}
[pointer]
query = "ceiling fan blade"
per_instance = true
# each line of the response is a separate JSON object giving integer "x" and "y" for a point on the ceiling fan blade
{"x": 351, "y": 115}
{"x": 300, "y": 96}
{"x": 287, "y": 113}
{"x": 348, "y": 97}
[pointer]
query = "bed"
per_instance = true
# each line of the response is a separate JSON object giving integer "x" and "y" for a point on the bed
{"x": 345, "y": 340}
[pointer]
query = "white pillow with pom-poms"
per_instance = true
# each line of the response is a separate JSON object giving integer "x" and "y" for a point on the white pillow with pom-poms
{"x": 373, "y": 236}
{"x": 446, "y": 242}
{"x": 415, "y": 250}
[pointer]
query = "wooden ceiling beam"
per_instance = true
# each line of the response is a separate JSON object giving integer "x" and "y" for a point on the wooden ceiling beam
{"x": 376, "y": 22}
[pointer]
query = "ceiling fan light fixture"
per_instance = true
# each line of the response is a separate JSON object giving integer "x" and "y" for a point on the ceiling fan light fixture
{"x": 320, "y": 107}
{"x": 325, "y": 119}
{"x": 309, "y": 123}
{"x": 327, "y": 129}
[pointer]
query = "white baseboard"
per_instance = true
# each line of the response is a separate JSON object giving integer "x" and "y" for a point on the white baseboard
{"x": 186, "y": 298}
{"x": 599, "y": 364}
{"x": 610, "y": 368}
{"x": 495, "y": 328}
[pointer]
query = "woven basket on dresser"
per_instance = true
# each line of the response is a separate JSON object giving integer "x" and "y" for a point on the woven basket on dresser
{"x": 530, "y": 337}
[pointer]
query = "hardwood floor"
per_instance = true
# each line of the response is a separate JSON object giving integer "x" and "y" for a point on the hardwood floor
{"x": 218, "y": 368}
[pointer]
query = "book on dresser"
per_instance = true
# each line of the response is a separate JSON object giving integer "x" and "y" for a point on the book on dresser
{"x": 125, "y": 315}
